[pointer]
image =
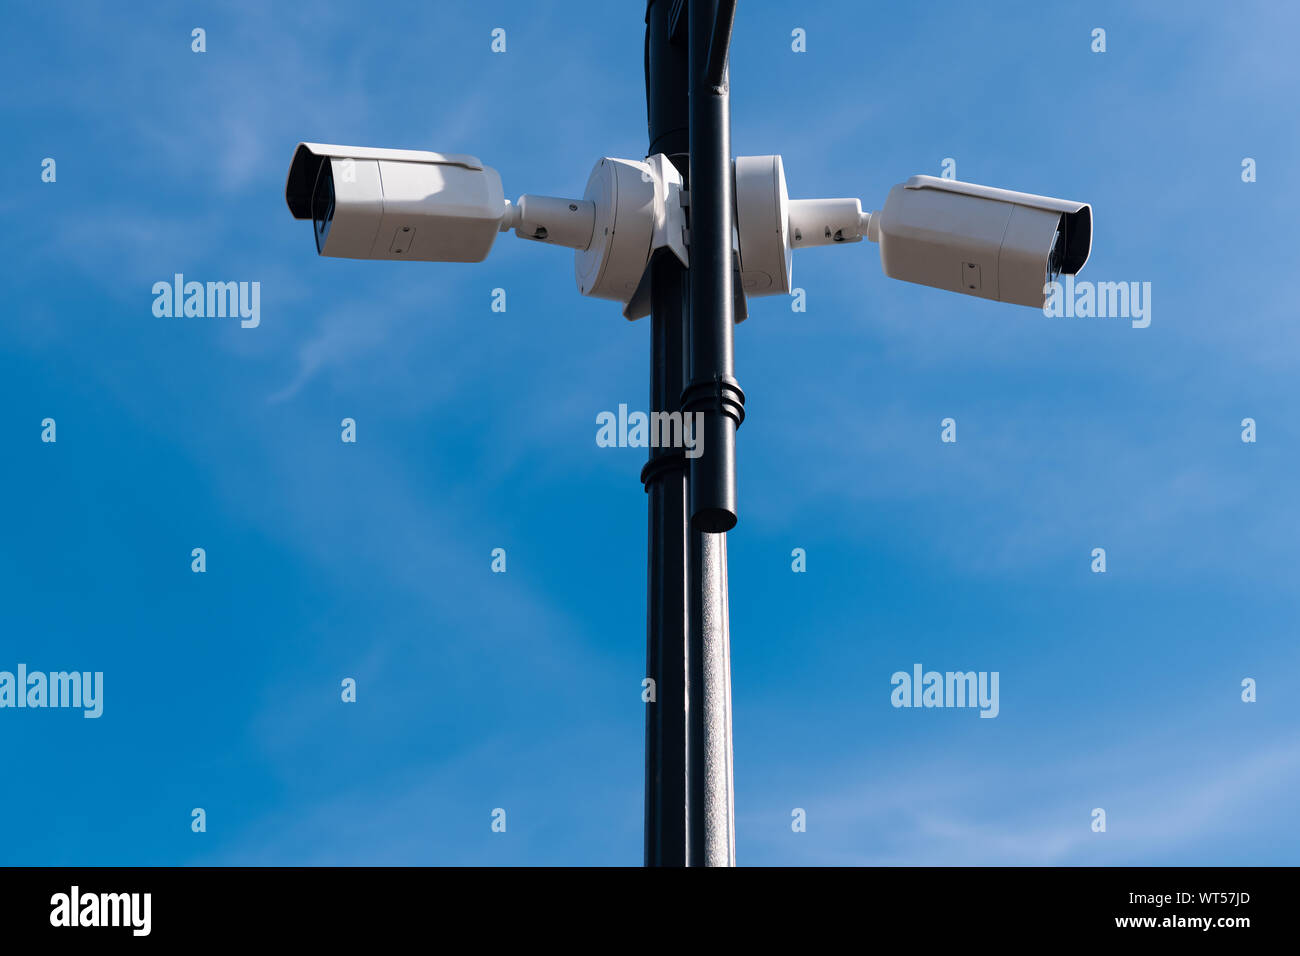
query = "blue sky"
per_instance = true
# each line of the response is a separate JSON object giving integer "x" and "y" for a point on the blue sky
{"x": 476, "y": 430}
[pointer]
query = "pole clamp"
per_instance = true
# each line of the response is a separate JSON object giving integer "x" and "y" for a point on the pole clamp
{"x": 720, "y": 393}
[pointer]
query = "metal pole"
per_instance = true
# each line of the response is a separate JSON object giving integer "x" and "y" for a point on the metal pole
{"x": 714, "y": 393}
{"x": 664, "y": 475}
{"x": 712, "y": 390}
{"x": 689, "y": 813}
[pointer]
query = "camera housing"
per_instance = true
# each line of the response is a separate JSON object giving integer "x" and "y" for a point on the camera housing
{"x": 369, "y": 203}
{"x": 979, "y": 240}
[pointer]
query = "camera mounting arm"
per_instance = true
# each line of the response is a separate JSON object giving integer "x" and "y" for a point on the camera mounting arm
{"x": 824, "y": 222}
{"x": 560, "y": 222}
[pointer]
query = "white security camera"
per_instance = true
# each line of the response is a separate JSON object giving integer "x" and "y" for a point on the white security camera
{"x": 978, "y": 240}
{"x": 368, "y": 203}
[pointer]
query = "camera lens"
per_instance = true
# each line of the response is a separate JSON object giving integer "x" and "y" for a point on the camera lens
{"x": 1056, "y": 255}
{"x": 322, "y": 203}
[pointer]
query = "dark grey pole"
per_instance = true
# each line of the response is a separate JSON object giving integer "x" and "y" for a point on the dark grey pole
{"x": 689, "y": 814}
{"x": 664, "y": 475}
{"x": 712, "y": 390}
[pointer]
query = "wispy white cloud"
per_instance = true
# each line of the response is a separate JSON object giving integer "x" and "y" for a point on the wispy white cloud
{"x": 956, "y": 812}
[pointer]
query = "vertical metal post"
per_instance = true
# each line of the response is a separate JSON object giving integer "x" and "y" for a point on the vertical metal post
{"x": 713, "y": 392}
{"x": 711, "y": 813}
{"x": 689, "y": 811}
{"x": 712, "y": 389}
{"x": 665, "y": 475}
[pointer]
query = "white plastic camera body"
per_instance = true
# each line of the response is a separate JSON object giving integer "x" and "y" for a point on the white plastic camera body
{"x": 980, "y": 241}
{"x": 368, "y": 203}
